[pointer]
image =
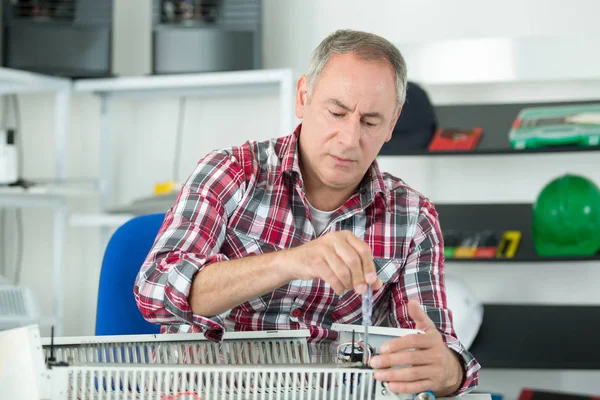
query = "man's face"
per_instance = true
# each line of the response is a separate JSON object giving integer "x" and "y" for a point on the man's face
{"x": 346, "y": 121}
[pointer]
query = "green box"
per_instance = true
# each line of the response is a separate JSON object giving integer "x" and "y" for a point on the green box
{"x": 537, "y": 127}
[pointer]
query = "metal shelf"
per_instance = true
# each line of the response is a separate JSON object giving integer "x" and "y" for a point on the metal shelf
{"x": 200, "y": 84}
{"x": 100, "y": 220}
{"x": 13, "y": 81}
{"x": 42, "y": 195}
{"x": 234, "y": 83}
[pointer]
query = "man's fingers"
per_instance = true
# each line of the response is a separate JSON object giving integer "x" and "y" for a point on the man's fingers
{"x": 366, "y": 256}
{"x": 337, "y": 265}
{"x": 330, "y": 277}
{"x": 422, "y": 320}
{"x": 403, "y": 358}
{"x": 410, "y": 387}
{"x": 413, "y": 341}
{"x": 410, "y": 374}
{"x": 352, "y": 262}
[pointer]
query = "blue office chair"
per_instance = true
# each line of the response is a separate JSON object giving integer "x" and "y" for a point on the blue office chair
{"x": 117, "y": 312}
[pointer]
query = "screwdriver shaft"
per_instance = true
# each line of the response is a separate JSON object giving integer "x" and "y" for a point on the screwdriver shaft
{"x": 367, "y": 310}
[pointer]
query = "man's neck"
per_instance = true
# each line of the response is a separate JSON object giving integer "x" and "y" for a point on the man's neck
{"x": 324, "y": 198}
{"x": 321, "y": 197}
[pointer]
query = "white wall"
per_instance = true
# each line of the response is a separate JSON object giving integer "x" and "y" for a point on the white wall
{"x": 144, "y": 148}
{"x": 294, "y": 27}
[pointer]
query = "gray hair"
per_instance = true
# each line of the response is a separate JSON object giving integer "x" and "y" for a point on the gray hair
{"x": 366, "y": 46}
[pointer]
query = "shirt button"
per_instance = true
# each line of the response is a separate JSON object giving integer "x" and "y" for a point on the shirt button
{"x": 296, "y": 312}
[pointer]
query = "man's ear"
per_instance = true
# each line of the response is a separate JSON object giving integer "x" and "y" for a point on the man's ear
{"x": 301, "y": 96}
{"x": 393, "y": 125}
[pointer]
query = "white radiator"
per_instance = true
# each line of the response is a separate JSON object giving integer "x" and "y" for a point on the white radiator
{"x": 245, "y": 365}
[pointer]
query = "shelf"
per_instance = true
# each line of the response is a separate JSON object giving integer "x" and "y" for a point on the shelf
{"x": 99, "y": 220}
{"x": 495, "y": 120}
{"x": 14, "y": 81}
{"x": 214, "y": 83}
{"x": 498, "y": 151}
{"x": 117, "y": 216}
{"x": 497, "y": 218}
{"x": 538, "y": 337}
{"x": 522, "y": 259}
{"x": 43, "y": 194}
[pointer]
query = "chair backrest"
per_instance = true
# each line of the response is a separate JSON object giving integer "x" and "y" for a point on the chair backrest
{"x": 117, "y": 312}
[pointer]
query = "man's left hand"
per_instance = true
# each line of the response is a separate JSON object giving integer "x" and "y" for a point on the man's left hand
{"x": 428, "y": 364}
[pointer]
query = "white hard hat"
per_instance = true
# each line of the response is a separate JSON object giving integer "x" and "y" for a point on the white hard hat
{"x": 466, "y": 309}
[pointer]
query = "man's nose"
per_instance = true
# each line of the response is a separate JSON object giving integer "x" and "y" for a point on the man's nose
{"x": 349, "y": 135}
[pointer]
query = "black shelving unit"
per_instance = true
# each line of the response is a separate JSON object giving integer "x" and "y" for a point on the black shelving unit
{"x": 497, "y": 217}
{"x": 500, "y": 151}
{"x": 515, "y": 336}
{"x": 520, "y": 259}
{"x": 525, "y": 336}
{"x": 495, "y": 120}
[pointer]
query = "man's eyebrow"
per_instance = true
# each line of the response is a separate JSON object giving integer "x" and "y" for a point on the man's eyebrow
{"x": 341, "y": 105}
{"x": 373, "y": 115}
{"x": 338, "y": 103}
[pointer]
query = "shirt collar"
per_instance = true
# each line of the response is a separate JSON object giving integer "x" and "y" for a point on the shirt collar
{"x": 290, "y": 159}
{"x": 371, "y": 185}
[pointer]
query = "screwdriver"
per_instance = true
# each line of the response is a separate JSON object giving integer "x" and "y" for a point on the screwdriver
{"x": 367, "y": 312}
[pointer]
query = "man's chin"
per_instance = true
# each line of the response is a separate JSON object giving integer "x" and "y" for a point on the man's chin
{"x": 339, "y": 181}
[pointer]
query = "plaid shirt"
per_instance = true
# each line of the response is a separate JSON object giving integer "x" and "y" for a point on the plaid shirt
{"x": 249, "y": 200}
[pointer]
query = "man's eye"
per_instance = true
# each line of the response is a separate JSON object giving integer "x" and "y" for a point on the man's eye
{"x": 369, "y": 123}
{"x": 336, "y": 114}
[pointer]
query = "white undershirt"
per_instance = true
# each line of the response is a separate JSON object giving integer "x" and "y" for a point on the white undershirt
{"x": 320, "y": 219}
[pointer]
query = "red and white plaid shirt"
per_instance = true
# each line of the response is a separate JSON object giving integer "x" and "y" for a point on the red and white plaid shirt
{"x": 249, "y": 200}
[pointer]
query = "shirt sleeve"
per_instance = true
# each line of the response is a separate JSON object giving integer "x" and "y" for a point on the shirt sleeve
{"x": 190, "y": 239}
{"x": 423, "y": 280}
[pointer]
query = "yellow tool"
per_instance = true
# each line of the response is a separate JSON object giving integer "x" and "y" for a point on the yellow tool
{"x": 509, "y": 244}
{"x": 164, "y": 188}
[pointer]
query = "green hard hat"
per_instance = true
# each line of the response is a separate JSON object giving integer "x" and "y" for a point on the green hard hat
{"x": 566, "y": 218}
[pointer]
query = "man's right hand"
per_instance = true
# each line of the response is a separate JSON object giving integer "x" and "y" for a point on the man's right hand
{"x": 339, "y": 258}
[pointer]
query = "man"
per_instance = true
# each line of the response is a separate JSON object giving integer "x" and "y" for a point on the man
{"x": 286, "y": 234}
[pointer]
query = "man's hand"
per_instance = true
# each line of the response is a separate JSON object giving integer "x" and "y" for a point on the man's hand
{"x": 431, "y": 365}
{"x": 339, "y": 258}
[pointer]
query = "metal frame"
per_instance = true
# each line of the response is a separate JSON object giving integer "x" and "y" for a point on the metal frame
{"x": 14, "y": 81}
{"x": 234, "y": 83}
